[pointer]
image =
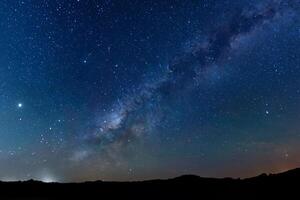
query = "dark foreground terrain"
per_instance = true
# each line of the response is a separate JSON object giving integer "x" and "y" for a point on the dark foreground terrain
{"x": 185, "y": 187}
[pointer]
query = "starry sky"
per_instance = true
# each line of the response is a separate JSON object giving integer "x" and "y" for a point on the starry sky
{"x": 134, "y": 90}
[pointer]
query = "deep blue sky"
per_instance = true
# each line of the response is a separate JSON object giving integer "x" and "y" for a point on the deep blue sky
{"x": 127, "y": 90}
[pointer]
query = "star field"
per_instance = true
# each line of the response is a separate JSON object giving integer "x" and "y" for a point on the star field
{"x": 133, "y": 90}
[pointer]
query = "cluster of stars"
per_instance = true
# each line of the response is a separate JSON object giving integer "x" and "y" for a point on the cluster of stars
{"x": 135, "y": 88}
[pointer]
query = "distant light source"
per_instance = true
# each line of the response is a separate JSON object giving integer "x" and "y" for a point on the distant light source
{"x": 48, "y": 179}
{"x": 20, "y": 105}
{"x": 267, "y": 112}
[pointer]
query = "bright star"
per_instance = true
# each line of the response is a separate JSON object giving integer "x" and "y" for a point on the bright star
{"x": 20, "y": 105}
{"x": 267, "y": 112}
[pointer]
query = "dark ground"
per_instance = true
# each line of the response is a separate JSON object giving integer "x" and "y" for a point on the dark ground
{"x": 282, "y": 185}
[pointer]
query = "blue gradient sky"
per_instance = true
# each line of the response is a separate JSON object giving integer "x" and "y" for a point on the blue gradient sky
{"x": 131, "y": 90}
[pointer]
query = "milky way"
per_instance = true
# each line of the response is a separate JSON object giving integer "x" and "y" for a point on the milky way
{"x": 134, "y": 90}
{"x": 185, "y": 70}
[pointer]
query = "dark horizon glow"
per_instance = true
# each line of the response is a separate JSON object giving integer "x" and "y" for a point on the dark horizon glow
{"x": 135, "y": 90}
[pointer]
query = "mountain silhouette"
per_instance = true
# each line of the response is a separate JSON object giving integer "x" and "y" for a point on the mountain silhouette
{"x": 184, "y": 187}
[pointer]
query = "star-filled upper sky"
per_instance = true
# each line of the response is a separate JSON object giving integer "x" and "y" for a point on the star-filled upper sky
{"x": 134, "y": 90}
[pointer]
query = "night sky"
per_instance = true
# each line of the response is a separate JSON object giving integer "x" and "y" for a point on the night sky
{"x": 134, "y": 90}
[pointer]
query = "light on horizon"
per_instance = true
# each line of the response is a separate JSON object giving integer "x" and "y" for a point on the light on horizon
{"x": 48, "y": 179}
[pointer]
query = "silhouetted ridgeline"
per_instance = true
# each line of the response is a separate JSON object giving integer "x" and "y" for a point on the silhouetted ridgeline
{"x": 184, "y": 187}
